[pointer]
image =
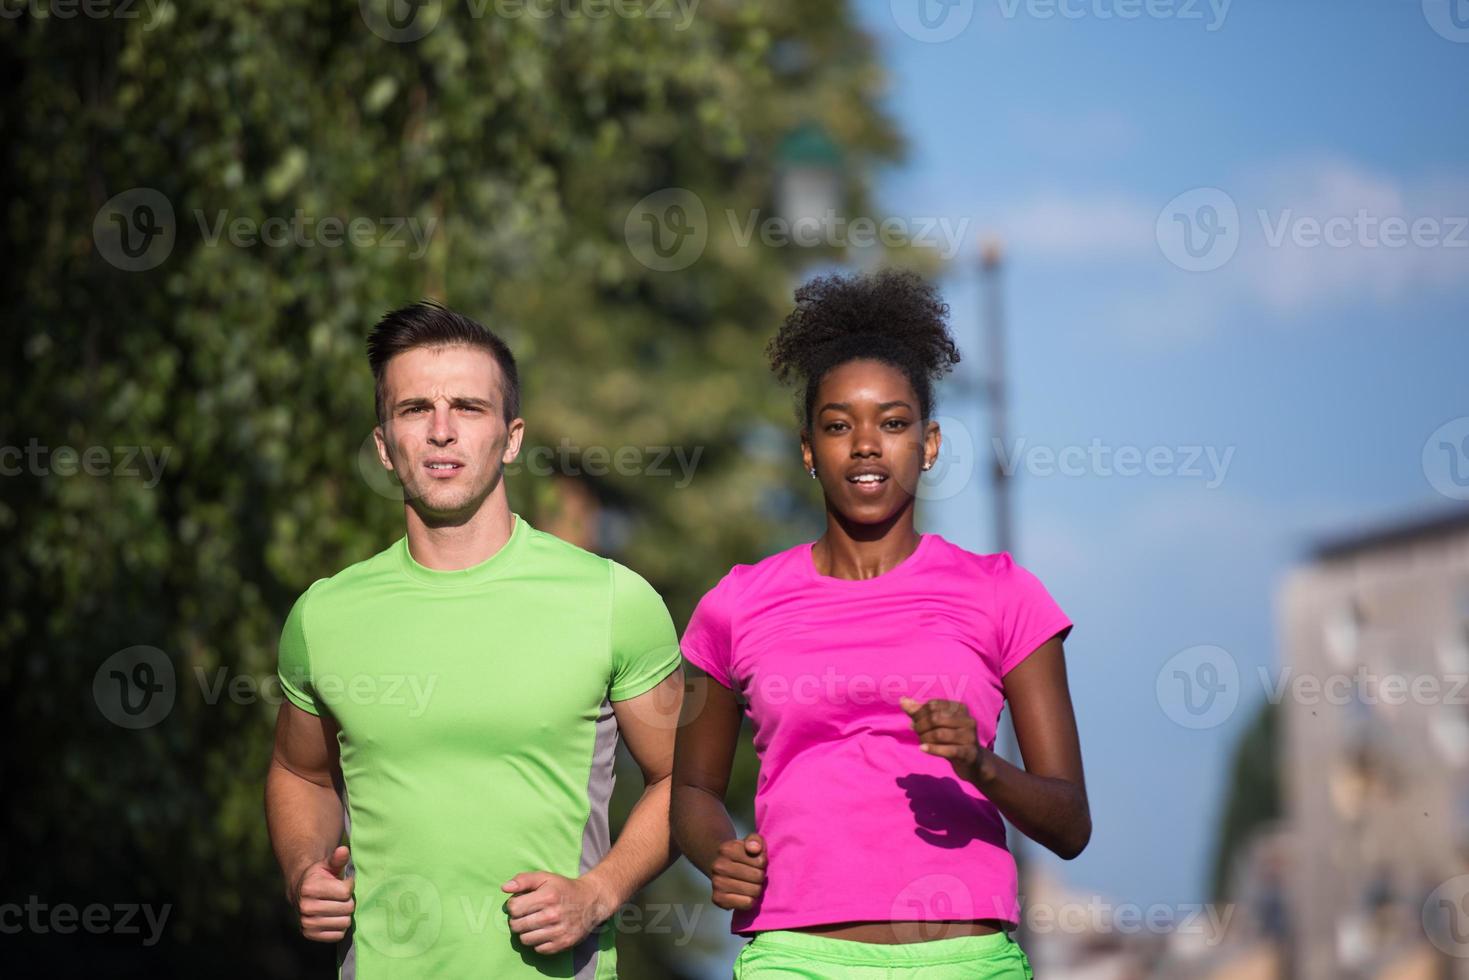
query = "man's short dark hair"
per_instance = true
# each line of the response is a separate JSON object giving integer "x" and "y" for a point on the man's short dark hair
{"x": 427, "y": 324}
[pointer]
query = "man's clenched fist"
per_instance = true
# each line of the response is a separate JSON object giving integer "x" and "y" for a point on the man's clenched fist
{"x": 739, "y": 872}
{"x": 323, "y": 898}
{"x": 551, "y": 913}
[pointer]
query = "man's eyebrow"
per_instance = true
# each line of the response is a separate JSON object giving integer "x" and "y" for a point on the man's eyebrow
{"x": 467, "y": 401}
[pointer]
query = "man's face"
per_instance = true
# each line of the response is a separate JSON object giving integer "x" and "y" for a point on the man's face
{"x": 444, "y": 432}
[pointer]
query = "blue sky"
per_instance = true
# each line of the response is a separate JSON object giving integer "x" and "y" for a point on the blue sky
{"x": 1324, "y": 368}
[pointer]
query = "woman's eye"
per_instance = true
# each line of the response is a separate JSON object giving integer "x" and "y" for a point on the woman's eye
{"x": 896, "y": 424}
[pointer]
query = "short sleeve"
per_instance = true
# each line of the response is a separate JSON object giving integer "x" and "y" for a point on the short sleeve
{"x": 293, "y": 663}
{"x": 706, "y": 642}
{"x": 1027, "y": 614}
{"x": 644, "y": 642}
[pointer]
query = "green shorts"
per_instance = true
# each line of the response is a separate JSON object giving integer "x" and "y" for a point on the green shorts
{"x": 786, "y": 955}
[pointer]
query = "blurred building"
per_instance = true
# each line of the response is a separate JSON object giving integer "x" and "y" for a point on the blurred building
{"x": 1375, "y": 773}
{"x": 1075, "y": 935}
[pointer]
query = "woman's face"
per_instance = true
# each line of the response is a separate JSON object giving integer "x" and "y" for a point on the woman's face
{"x": 868, "y": 440}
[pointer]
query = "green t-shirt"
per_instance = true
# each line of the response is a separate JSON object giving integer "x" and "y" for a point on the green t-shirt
{"x": 477, "y": 740}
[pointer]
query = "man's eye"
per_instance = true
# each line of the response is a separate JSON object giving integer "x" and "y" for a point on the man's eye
{"x": 414, "y": 408}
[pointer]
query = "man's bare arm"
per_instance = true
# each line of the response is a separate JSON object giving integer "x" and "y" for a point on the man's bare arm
{"x": 550, "y": 913}
{"x": 648, "y": 724}
{"x": 304, "y": 815}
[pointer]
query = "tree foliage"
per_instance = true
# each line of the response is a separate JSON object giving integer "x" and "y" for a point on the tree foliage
{"x": 521, "y": 144}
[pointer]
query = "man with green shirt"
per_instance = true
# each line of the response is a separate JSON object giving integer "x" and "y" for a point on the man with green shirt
{"x": 454, "y": 703}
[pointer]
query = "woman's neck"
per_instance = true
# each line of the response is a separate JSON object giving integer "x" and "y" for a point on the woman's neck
{"x": 862, "y": 551}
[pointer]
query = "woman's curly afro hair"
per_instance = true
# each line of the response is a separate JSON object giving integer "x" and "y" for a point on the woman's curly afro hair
{"x": 891, "y": 316}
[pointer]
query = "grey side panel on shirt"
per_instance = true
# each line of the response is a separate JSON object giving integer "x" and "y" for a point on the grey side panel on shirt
{"x": 596, "y": 838}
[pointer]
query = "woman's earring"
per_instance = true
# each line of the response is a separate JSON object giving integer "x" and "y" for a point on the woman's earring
{"x": 928, "y": 466}
{"x": 812, "y": 471}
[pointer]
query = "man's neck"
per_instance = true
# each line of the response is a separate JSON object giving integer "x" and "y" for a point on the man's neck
{"x": 450, "y": 546}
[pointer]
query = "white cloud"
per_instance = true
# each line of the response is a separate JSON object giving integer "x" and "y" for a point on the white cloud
{"x": 1076, "y": 226}
{"x": 1285, "y": 269}
{"x": 1288, "y": 267}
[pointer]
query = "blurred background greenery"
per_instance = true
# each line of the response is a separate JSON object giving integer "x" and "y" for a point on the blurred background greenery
{"x": 523, "y": 143}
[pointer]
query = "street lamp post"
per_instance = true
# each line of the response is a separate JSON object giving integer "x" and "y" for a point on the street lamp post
{"x": 991, "y": 257}
{"x": 808, "y": 183}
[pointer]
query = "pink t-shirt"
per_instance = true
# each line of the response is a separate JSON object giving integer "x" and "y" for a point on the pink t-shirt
{"x": 861, "y": 824}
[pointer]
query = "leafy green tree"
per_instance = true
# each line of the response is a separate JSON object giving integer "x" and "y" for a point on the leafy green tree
{"x": 1253, "y": 797}
{"x": 494, "y": 160}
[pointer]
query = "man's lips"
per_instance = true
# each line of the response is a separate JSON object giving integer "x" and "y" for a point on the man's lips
{"x": 442, "y": 468}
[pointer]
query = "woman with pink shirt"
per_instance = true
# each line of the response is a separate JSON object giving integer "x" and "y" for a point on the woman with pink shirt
{"x": 873, "y": 664}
